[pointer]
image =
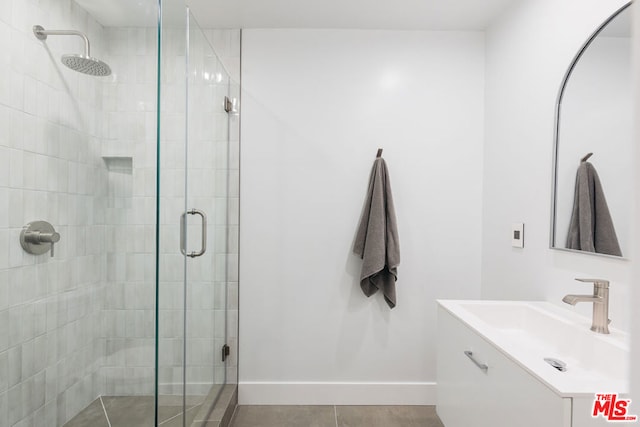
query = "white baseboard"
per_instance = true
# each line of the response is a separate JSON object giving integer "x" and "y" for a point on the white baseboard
{"x": 310, "y": 393}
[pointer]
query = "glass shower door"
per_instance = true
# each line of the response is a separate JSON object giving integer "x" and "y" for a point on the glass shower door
{"x": 192, "y": 227}
{"x": 206, "y": 190}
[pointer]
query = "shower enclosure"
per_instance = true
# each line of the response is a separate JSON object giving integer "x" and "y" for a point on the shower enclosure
{"x": 132, "y": 320}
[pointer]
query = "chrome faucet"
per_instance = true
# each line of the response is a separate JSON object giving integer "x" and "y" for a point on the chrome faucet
{"x": 600, "y": 299}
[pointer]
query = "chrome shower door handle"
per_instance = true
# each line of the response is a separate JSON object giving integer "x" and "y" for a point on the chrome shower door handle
{"x": 183, "y": 238}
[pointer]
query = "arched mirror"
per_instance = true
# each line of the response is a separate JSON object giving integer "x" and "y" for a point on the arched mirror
{"x": 593, "y": 175}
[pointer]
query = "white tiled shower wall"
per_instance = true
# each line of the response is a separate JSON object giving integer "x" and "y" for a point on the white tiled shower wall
{"x": 129, "y": 127}
{"x": 80, "y": 324}
{"x": 50, "y": 169}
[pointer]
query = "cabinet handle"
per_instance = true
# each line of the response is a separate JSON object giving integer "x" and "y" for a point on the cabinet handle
{"x": 483, "y": 367}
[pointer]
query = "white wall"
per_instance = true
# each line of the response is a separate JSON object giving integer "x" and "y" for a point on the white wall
{"x": 527, "y": 53}
{"x": 316, "y": 106}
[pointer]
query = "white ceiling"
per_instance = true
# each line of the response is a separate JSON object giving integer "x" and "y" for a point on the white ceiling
{"x": 355, "y": 14}
{"x": 361, "y": 14}
{"x": 122, "y": 13}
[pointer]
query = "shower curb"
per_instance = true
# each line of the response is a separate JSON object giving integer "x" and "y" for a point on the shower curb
{"x": 217, "y": 412}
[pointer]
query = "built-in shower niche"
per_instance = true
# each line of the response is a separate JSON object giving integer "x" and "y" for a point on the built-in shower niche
{"x": 119, "y": 181}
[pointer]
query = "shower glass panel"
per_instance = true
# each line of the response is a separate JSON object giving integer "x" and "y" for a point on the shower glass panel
{"x": 192, "y": 197}
{"x": 207, "y": 140}
{"x": 171, "y": 197}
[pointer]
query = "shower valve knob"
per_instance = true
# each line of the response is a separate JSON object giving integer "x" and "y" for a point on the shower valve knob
{"x": 38, "y": 237}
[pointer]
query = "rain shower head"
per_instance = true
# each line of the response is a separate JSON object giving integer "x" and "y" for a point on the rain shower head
{"x": 86, "y": 64}
{"x": 82, "y": 63}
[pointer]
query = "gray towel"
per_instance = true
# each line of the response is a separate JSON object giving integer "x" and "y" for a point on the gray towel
{"x": 377, "y": 237}
{"x": 591, "y": 227}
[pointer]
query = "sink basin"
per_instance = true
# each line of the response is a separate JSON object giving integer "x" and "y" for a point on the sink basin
{"x": 530, "y": 332}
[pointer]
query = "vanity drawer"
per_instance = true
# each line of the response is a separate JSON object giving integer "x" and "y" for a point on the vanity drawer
{"x": 504, "y": 394}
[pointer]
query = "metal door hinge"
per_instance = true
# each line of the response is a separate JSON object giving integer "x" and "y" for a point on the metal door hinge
{"x": 225, "y": 352}
{"x": 230, "y": 105}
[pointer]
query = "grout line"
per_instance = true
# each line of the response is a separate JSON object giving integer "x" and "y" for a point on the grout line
{"x": 177, "y": 415}
{"x": 335, "y": 413}
{"x": 169, "y": 419}
{"x": 105, "y": 411}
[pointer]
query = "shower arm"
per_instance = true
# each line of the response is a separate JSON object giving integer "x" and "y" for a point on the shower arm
{"x": 42, "y": 34}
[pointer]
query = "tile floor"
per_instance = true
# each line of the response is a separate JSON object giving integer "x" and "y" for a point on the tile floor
{"x": 134, "y": 411}
{"x": 138, "y": 411}
{"x": 335, "y": 416}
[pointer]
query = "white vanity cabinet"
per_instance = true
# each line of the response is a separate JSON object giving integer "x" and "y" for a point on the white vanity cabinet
{"x": 504, "y": 394}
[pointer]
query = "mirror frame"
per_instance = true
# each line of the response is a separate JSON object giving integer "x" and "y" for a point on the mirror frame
{"x": 556, "y": 135}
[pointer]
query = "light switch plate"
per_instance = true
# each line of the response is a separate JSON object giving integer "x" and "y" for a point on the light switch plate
{"x": 517, "y": 235}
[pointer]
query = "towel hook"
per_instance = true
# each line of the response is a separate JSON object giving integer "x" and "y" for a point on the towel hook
{"x": 585, "y": 158}
{"x": 379, "y": 154}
